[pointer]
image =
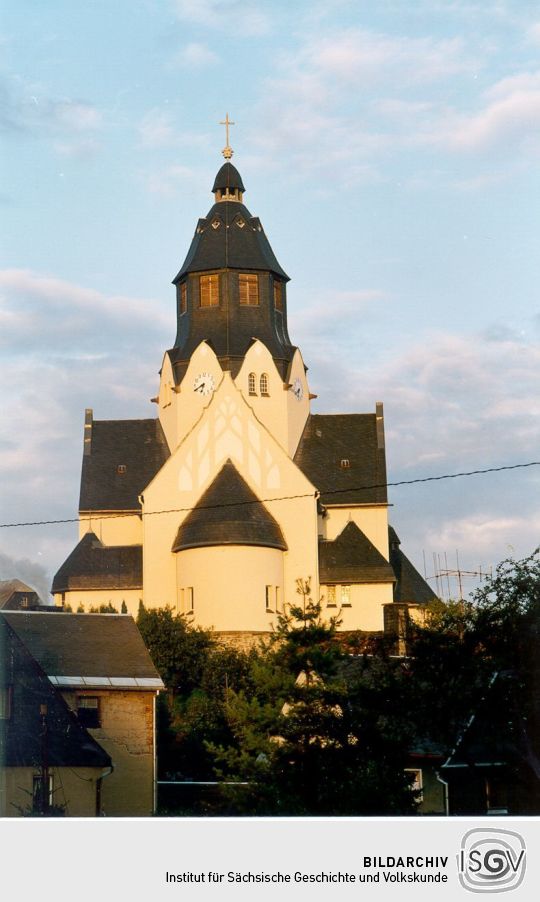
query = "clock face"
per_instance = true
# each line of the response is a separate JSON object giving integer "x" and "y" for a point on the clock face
{"x": 204, "y": 384}
{"x": 298, "y": 390}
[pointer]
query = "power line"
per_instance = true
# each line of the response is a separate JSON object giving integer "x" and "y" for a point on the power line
{"x": 316, "y": 494}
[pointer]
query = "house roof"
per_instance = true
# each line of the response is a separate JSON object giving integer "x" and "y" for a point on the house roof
{"x": 410, "y": 586}
{"x": 352, "y": 558}
{"x": 68, "y": 743}
{"x": 9, "y": 587}
{"x": 329, "y": 439}
{"x": 93, "y": 565}
{"x": 138, "y": 447}
{"x": 229, "y": 513}
{"x": 81, "y": 649}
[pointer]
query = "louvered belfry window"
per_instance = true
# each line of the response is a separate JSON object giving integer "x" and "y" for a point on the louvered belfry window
{"x": 249, "y": 288}
{"x": 278, "y": 296}
{"x": 209, "y": 290}
{"x": 183, "y": 297}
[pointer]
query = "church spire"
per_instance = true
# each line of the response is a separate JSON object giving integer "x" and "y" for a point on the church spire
{"x": 231, "y": 267}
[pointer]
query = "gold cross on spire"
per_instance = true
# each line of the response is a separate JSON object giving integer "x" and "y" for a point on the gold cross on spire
{"x": 227, "y": 150}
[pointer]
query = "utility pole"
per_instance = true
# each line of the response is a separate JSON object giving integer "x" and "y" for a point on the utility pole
{"x": 44, "y": 800}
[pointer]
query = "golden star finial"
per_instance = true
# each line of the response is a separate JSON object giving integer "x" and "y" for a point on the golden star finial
{"x": 227, "y": 150}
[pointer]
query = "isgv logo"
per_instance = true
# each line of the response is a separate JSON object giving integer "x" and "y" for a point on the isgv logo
{"x": 491, "y": 861}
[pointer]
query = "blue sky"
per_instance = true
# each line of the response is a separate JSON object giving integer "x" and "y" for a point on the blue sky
{"x": 391, "y": 151}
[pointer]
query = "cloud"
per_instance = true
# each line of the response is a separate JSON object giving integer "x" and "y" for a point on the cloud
{"x": 231, "y": 17}
{"x": 33, "y": 305}
{"x": 195, "y": 56}
{"x": 157, "y": 129}
{"x": 34, "y": 575}
{"x": 169, "y": 181}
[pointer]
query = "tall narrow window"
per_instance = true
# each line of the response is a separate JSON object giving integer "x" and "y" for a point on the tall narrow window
{"x": 190, "y": 600}
{"x": 183, "y": 297}
{"x": 252, "y": 385}
{"x": 209, "y": 290}
{"x": 278, "y": 295}
{"x": 248, "y": 284}
{"x": 269, "y": 598}
{"x": 264, "y": 384}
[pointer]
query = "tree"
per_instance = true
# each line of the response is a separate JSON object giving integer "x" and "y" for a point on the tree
{"x": 319, "y": 733}
{"x": 479, "y": 659}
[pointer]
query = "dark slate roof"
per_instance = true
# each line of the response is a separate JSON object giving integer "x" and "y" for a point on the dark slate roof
{"x": 138, "y": 445}
{"x": 68, "y": 742}
{"x": 88, "y": 645}
{"x": 229, "y": 513}
{"x": 15, "y": 587}
{"x": 352, "y": 558}
{"x": 231, "y": 245}
{"x": 410, "y": 586}
{"x": 93, "y": 565}
{"x": 330, "y": 438}
{"x": 228, "y": 177}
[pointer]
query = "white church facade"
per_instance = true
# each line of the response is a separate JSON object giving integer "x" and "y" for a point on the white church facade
{"x": 235, "y": 490}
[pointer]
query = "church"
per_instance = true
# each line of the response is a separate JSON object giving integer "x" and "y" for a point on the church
{"x": 235, "y": 491}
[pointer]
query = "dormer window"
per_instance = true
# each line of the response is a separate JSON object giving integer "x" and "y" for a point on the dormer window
{"x": 121, "y": 469}
{"x": 216, "y": 223}
{"x": 252, "y": 384}
{"x": 209, "y": 291}
{"x": 248, "y": 284}
{"x": 278, "y": 295}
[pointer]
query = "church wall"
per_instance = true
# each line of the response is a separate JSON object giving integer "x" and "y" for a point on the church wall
{"x": 113, "y": 528}
{"x": 92, "y": 598}
{"x": 228, "y": 429}
{"x": 229, "y": 583}
{"x": 282, "y": 414}
{"x": 186, "y": 404}
{"x": 366, "y": 606}
{"x": 372, "y": 520}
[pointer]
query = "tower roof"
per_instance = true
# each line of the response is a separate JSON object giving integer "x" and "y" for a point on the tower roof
{"x": 228, "y": 177}
{"x": 229, "y": 513}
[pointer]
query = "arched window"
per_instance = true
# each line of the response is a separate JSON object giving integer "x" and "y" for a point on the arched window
{"x": 264, "y": 384}
{"x": 252, "y": 384}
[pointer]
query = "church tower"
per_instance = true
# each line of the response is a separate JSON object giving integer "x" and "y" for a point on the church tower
{"x": 236, "y": 491}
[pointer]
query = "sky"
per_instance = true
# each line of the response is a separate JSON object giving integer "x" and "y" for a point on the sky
{"x": 391, "y": 151}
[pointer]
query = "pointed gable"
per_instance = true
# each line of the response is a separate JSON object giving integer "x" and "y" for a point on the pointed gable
{"x": 352, "y": 558}
{"x": 229, "y": 513}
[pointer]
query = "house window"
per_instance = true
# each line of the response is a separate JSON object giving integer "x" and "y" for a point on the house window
{"x": 42, "y": 794}
{"x": 331, "y": 597}
{"x": 270, "y": 595}
{"x": 183, "y": 297}
{"x": 24, "y": 601}
{"x": 278, "y": 295}
{"x": 6, "y": 698}
{"x": 209, "y": 290}
{"x": 278, "y": 599}
{"x": 416, "y": 783}
{"x": 264, "y": 384}
{"x": 189, "y": 600}
{"x": 248, "y": 284}
{"x": 345, "y": 596}
{"x": 252, "y": 384}
{"x": 88, "y": 711}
